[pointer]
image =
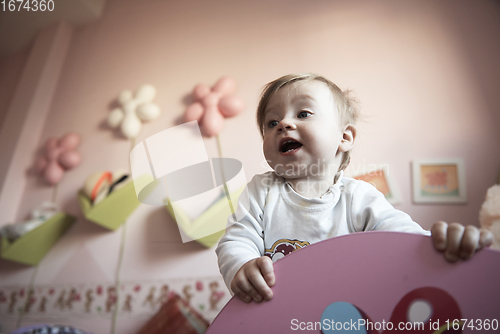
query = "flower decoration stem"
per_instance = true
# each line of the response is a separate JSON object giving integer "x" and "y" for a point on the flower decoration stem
{"x": 117, "y": 276}
{"x": 210, "y": 107}
{"x": 54, "y": 193}
{"x": 120, "y": 259}
{"x": 26, "y": 303}
{"x": 226, "y": 190}
{"x": 132, "y": 141}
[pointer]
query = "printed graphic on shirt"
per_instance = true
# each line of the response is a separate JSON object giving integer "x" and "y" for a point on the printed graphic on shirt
{"x": 283, "y": 247}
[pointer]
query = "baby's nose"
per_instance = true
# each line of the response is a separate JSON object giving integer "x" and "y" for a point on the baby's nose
{"x": 286, "y": 124}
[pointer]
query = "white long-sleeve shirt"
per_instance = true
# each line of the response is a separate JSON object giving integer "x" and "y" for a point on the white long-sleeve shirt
{"x": 277, "y": 220}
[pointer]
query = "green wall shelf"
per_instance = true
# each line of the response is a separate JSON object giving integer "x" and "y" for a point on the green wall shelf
{"x": 112, "y": 211}
{"x": 32, "y": 247}
{"x": 216, "y": 214}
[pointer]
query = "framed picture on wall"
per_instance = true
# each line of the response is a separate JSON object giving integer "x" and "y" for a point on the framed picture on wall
{"x": 439, "y": 181}
{"x": 381, "y": 179}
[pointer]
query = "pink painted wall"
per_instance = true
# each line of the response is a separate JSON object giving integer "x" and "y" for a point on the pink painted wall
{"x": 11, "y": 68}
{"x": 426, "y": 73}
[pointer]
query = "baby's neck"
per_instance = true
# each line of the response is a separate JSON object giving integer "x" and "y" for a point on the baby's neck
{"x": 312, "y": 187}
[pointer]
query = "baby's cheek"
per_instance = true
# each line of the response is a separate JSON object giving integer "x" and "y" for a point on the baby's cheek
{"x": 268, "y": 155}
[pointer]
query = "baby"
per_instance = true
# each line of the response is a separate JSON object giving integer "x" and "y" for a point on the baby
{"x": 308, "y": 127}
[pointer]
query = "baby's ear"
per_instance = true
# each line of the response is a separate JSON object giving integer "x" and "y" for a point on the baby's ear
{"x": 348, "y": 138}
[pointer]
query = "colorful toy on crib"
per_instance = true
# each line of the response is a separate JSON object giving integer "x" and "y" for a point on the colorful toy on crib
{"x": 59, "y": 155}
{"x": 101, "y": 184}
{"x": 133, "y": 109}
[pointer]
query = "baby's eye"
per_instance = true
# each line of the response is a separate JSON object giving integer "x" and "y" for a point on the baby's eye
{"x": 272, "y": 124}
{"x": 304, "y": 114}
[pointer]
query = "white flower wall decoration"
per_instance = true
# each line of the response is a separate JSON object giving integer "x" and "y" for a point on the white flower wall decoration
{"x": 133, "y": 110}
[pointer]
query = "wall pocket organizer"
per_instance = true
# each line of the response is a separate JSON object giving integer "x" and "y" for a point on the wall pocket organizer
{"x": 32, "y": 247}
{"x": 218, "y": 214}
{"x": 112, "y": 211}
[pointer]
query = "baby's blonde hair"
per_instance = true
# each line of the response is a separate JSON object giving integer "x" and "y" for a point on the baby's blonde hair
{"x": 346, "y": 104}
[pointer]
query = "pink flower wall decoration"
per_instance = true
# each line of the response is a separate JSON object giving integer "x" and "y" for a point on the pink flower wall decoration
{"x": 59, "y": 156}
{"x": 212, "y": 105}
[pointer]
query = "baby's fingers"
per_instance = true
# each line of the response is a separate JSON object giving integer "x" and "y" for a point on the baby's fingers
{"x": 265, "y": 265}
{"x": 454, "y": 238}
{"x": 242, "y": 287}
{"x": 485, "y": 239}
{"x": 256, "y": 277}
{"x": 457, "y": 241}
{"x": 469, "y": 243}
{"x": 438, "y": 232}
{"x": 241, "y": 294}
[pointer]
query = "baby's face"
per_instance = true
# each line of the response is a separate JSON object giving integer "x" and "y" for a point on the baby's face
{"x": 303, "y": 131}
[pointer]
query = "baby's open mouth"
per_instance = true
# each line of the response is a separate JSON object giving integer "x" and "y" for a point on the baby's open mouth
{"x": 289, "y": 145}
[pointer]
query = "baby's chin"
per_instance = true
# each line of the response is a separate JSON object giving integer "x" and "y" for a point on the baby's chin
{"x": 293, "y": 172}
{"x": 290, "y": 174}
